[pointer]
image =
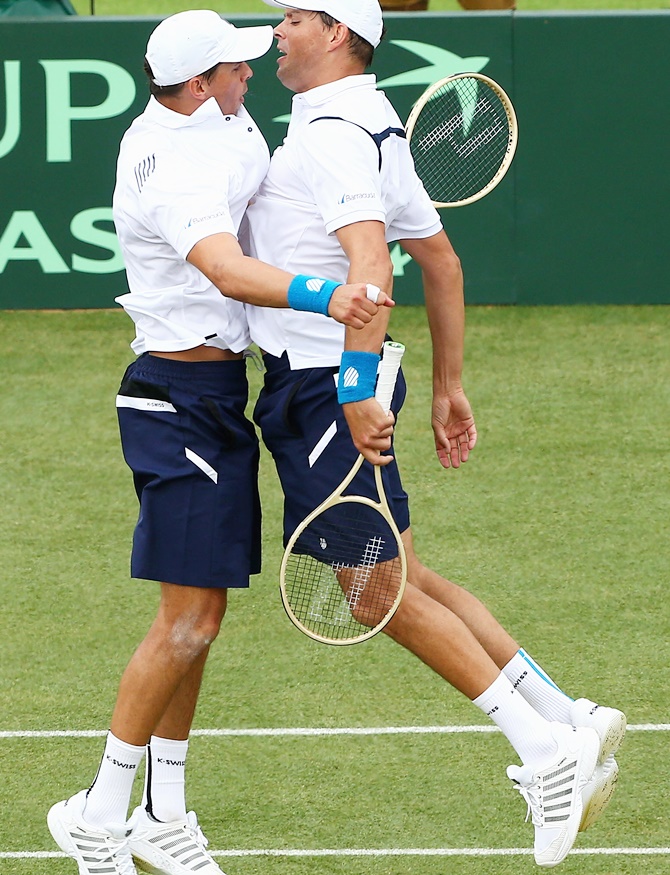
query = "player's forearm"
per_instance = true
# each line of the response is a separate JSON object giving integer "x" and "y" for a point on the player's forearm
{"x": 369, "y": 261}
{"x": 443, "y": 294}
{"x": 446, "y": 318}
{"x": 371, "y": 337}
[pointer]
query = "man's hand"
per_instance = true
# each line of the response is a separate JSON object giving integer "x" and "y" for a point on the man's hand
{"x": 351, "y": 305}
{"x": 454, "y": 429}
{"x": 370, "y": 428}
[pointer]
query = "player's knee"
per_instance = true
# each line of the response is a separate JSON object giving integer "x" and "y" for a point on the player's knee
{"x": 194, "y": 631}
{"x": 370, "y": 609}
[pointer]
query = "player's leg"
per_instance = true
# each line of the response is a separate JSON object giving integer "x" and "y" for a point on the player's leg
{"x": 223, "y": 531}
{"x": 526, "y": 676}
{"x": 443, "y": 641}
{"x": 194, "y": 458}
{"x": 158, "y": 688}
{"x": 168, "y": 663}
{"x": 163, "y": 836}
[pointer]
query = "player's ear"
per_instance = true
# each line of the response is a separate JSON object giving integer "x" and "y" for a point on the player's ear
{"x": 198, "y": 87}
{"x": 339, "y": 35}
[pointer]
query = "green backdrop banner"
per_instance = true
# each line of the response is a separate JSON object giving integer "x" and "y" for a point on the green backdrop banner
{"x": 577, "y": 219}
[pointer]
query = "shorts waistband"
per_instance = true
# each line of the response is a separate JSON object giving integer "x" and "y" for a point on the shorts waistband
{"x": 152, "y": 364}
{"x": 276, "y": 364}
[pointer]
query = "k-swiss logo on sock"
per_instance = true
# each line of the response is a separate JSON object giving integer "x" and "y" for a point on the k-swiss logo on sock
{"x": 492, "y": 711}
{"x": 517, "y": 682}
{"x": 170, "y": 762}
{"x": 121, "y": 765}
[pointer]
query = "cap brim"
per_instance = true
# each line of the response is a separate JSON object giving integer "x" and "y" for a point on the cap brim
{"x": 250, "y": 43}
{"x": 309, "y": 5}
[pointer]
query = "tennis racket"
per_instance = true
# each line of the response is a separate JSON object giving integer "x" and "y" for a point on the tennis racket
{"x": 344, "y": 569}
{"x": 462, "y": 133}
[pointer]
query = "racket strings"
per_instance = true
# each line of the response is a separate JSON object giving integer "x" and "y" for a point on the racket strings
{"x": 343, "y": 575}
{"x": 460, "y": 140}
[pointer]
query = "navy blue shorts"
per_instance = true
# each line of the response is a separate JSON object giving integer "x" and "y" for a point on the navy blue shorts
{"x": 194, "y": 457}
{"x": 304, "y": 428}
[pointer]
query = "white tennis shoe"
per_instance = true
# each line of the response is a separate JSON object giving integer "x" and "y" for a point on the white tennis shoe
{"x": 96, "y": 851}
{"x": 554, "y": 791}
{"x": 609, "y": 723}
{"x": 175, "y": 848}
{"x": 599, "y": 791}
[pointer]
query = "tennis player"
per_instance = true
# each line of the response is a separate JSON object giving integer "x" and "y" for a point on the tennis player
{"x": 186, "y": 171}
{"x": 339, "y": 190}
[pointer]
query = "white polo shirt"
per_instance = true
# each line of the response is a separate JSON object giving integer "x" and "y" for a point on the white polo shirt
{"x": 181, "y": 178}
{"x": 325, "y": 176}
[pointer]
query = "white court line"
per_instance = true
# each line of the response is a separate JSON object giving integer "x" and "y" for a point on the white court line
{"x": 378, "y": 852}
{"x": 305, "y": 731}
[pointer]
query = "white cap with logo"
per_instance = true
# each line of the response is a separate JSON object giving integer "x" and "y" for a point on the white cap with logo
{"x": 363, "y": 17}
{"x": 189, "y": 43}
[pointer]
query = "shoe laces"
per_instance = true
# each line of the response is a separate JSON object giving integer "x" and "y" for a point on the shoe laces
{"x": 194, "y": 829}
{"x": 117, "y": 850}
{"x": 532, "y": 795}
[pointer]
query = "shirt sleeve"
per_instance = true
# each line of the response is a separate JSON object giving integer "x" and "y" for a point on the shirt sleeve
{"x": 185, "y": 204}
{"x": 341, "y": 165}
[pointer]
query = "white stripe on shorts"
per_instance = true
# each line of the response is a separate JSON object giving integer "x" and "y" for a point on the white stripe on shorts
{"x": 327, "y": 437}
{"x": 154, "y": 404}
{"x": 199, "y": 462}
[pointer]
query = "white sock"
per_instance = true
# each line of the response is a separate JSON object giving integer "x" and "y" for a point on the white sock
{"x": 527, "y": 731}
{"x": 164, "y": 783}
{"x": 537, "y": 687}
{"x": 109, "y": 796}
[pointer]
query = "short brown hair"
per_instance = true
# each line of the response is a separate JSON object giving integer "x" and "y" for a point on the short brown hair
{"x": 359, "y": 48}
{"x": 171, "y": 90}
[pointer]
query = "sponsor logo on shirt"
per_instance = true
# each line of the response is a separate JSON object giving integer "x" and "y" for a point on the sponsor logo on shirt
{"x": 143, "y": 170}
{"x": 196, "y": 220}
{"x": 346, "y": 198}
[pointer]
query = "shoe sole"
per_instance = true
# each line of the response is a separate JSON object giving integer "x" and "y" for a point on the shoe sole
{"x": 600, "y": 799}
{"x": 144, "y": 866}
{"x": 612, "y": 736}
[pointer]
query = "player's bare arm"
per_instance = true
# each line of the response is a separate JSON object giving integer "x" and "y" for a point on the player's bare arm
{"x": 365, "y": 246}
{"x": 246, "y": 279}
{"x": 452, "y": 419}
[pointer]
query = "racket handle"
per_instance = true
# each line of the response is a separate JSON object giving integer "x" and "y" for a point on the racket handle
{"x": 392, "y": 353}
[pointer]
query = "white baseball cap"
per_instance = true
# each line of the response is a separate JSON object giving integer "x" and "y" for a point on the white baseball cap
{"x": 188, "y": 43}
{"x": 363, "y": 17}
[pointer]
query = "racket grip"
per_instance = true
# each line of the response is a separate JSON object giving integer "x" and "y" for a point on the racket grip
{"x": 392, "y": 354}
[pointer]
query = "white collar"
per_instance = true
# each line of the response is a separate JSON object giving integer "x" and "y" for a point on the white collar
{"x": 168, "y": 118}
{"x": 324, "y": 93}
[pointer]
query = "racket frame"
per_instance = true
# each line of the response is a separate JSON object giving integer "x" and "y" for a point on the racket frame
{"x": 393, "y": 352}
{"x": 512, "y": 131}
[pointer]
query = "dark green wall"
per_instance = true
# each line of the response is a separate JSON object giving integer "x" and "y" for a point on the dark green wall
{"x": 578, "y": 218}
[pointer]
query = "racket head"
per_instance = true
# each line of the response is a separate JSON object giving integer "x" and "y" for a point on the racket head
{"x": 462, "y": 134}
{"x": 344, "y": 571}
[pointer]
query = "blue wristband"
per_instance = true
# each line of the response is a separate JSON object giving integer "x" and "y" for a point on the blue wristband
{"x": 358, "y": 375}
{"x": 311, "y": 293}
